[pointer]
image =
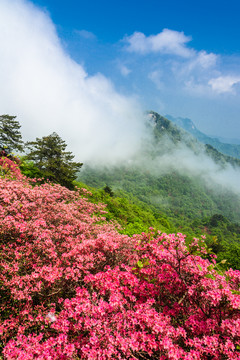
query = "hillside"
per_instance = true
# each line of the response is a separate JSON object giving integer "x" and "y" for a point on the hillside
{"x": 223, "y": 147}
{"x": 165, "y": 128}
{"x": 185, "y": 184}
{"x": 175, "y": 174}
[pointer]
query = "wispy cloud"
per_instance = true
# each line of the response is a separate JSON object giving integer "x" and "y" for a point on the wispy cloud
{"x": 125, "y": 71}
{"x": 48, "y": 91}
{"x": 174, "y": 57}
{"x": 86, "y": 34}
{"x": 156, "y": 76}
{"x": 173, "y": 76}
{"x": 190, "y": 69}
{"x": 224, "y": 84}
{"x": 205, "y": 60}
{"x": 166, "y": 42}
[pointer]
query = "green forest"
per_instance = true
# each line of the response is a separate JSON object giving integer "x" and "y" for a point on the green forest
{"x": 136, "y": 194}
{"x": 177, "y": 201}
{"x": 134, "y": 261}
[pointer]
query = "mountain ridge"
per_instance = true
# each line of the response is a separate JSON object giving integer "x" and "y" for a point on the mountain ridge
{"x": 189, "y": 126}
{"x": 172, "y": 174}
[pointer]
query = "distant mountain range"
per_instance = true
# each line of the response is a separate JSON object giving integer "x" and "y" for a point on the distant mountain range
{"x": 218, "y": 143}
{"x": 164, "y": 127}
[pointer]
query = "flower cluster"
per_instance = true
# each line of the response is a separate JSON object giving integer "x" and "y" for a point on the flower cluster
{"x": 72, "y": 287}
{"x": 10, "y": 167}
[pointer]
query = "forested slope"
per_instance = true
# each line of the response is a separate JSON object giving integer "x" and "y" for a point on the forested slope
{"x": 181, "y": 181}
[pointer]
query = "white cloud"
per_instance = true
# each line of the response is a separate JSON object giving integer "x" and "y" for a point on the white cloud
{"x": 177, "y": 67}
{"x": 193, "y": 74}
{"x": 206, "y": 60}
{"x": 224, "y": 84}
{"x": 166, "y": 42}
{"x": 138, "y": 42}
{"x": 196, "y": 88}
{"x": 201, "y": 61}
{"x": 86, "y": 34}
{"x": 49, "y": 92}
{"x": 156, "y": 76}
{"x": 125, "y": 71}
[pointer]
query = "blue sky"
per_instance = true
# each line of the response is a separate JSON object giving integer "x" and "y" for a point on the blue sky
{"x": 214, "y": 25}
{"x": 175, "y": 57}
{"x": 93, "y": 32}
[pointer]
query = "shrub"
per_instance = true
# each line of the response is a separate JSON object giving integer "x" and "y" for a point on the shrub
{"x": 72, "y": 287}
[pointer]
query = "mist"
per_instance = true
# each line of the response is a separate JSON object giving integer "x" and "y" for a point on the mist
{"x": 187, "y": 157}
{"x": 198, "y": 165}
{"x": 49, "y": 92}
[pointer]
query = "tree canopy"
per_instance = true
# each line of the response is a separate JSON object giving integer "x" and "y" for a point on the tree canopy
{"x": 10, "y": 136}
{"x": 49, "y": 155}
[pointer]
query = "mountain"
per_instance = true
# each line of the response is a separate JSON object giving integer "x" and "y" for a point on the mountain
{"x": 174, "y": 184}
{"x": 163, "y": 128}
{"x": 188, "y": 125}
{"x": 175, "y": 174}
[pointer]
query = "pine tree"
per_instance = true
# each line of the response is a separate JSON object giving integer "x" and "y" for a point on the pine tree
{"x": 10, "y": 136}
{"x": 49, "y": 155}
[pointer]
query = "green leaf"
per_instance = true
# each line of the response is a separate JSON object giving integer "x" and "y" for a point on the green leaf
{"x": 210, "y": 267}
{"x": 146, "y": 262}
{"x": 209, "y": 276}
{"x": 236, "y": 292}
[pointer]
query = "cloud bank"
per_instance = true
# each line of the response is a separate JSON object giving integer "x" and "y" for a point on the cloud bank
{"x": 48, "y": 91}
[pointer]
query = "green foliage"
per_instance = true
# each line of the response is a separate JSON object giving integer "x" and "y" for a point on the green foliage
{"x": 138, "y": 198}
{"x": 10, "y": 136}
{"x": 164, "y": 129}
{"x": 49, "y": 156}
{"x": 222, "y": 238}
{"x": 220, "y": 158}
{"x": 108, "y": 190}
{"x": 231, "y": 253}
{"x": 29, "y": 169}
{"x": 133, "y": 215}
{"x": 180, "y": 197}
{"x": 178, "y": 203}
